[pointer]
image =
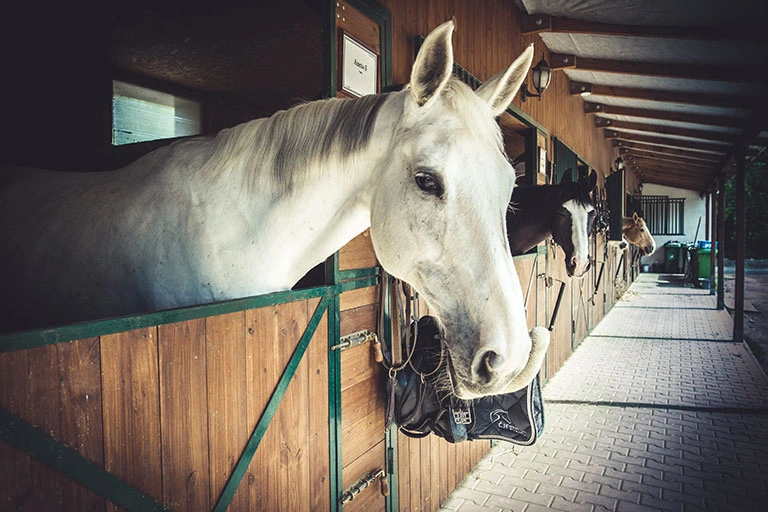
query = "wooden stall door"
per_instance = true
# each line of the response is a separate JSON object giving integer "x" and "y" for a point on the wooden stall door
{"x": 561, "y": 337}
{"x": 581, "y": 307}
{"x": 601, "y": 272}
{"x": 363, "y": 401}
{"x": 169, "y": 409}
{"x": 363, "y": 380}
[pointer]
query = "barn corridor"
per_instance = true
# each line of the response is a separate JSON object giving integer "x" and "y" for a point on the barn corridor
{"x": 656, "y": 410}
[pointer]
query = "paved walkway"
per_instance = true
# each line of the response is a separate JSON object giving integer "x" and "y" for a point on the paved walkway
{"x": 656, "y": 410}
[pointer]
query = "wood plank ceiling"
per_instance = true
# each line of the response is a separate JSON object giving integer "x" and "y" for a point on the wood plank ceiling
{"x": 679, "y": 87}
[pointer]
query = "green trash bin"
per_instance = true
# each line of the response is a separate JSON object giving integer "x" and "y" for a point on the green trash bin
{"x": 673, "y": 258}
{"x": 703, "y": 256}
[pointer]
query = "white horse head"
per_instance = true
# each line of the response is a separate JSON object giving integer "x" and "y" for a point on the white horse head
{"x": 451, "y": 182}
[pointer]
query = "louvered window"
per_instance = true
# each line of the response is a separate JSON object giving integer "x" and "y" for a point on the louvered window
{"x": 663, "y": 215}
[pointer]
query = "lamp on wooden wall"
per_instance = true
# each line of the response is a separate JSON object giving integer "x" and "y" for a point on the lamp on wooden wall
{"x": 541, "y": 74}
{"x": 619, "y": 164}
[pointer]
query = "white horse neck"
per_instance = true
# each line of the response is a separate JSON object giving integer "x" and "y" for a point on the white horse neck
{"x": 305, "y": 191}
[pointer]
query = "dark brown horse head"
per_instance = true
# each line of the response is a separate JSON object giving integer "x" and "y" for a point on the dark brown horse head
{"x": 572, "y": 221}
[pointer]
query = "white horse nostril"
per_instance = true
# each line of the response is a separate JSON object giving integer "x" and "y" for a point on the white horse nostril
{"x": 493, "y": 360}
{"x": 488, "y": 365}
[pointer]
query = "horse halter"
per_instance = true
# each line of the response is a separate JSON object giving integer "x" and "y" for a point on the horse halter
{"x": 408, "y": 319}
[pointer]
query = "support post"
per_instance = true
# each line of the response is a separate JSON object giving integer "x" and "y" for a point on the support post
{"x": 738, "y": 313}
{"x": 713, "y": 239}
{"x": 707, "y": 213}
{"x": 721, "y": 238}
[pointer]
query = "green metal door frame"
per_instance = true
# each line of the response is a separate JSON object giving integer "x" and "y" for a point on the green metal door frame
{"x": 383, "y": 17}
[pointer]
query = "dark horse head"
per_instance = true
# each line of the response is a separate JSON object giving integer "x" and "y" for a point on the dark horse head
{"x": 565, "y": 211}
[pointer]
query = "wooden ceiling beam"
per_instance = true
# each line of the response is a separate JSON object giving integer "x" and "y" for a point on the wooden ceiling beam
{"x": 667, "y": 182}
{"x": 537, "y": 23}
{"x": 670, "y": 173}
{"x": 702, "y": 174}
{"x": 623, "y": 145}
{"x": 735, "y": 74}
{"x": 604, "y": 122}
{"x": 749, "y": 134}
{"x": 666, "y": 115}
{"x": 667, "y": 141}
{"x": 670, "y": 180}
{"x": 693, "y": 181}
{"x": 651, "y": 157}
{"x": 686, "y": 98}
{"x": 660, "y": 152}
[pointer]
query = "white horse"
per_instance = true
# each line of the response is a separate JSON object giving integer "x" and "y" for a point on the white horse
{"x": 251, "y": 210}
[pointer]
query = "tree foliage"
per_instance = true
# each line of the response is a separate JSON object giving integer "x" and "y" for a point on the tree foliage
{"x": 756, "y": 193}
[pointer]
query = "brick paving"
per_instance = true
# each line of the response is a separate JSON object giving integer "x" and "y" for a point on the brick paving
{"x": 656, "y": 410}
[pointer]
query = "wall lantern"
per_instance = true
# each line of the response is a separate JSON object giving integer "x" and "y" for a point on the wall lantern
{"x": 541, "y": 74}
{"x": 619, "y": 164}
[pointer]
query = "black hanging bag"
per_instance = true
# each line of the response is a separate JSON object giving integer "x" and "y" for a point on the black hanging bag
{"x": 419, "y": 405}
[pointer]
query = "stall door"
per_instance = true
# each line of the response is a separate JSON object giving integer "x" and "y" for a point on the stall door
{"x": 362, "y": 380}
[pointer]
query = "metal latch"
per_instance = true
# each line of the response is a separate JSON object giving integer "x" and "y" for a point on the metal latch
{"x": 350, "y": 493}
{"x": 355, "y": 339}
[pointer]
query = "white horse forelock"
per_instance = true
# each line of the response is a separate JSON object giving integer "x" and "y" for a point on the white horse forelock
{"x": 458, "y": 95}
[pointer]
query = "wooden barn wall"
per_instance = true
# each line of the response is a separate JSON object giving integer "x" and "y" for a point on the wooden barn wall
{"x": 169, "y": 409}
{"x": 486, "y": 40}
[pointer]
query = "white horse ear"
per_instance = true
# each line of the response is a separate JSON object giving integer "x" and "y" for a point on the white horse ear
{"x": 499, "y": 90}
{"x": 433, "y": 66}
{"x": 635, "y": 217}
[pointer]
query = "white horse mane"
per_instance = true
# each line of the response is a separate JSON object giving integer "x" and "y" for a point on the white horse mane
{"x": 290, "y": 140}
{"x": 330, "y": 130}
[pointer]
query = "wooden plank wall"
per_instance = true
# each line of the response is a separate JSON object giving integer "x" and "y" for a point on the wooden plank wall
{"x": 560, "y": 347}
{"x": 170, "y": 408}
{"x": 431, "y": 467}
{"x": 363, "y": 383}
{"x": 487, "y": 39}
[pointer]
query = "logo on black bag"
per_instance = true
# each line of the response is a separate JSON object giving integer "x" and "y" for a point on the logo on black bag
{"x": 500, "y": 418}
{"x": 462, "y": 416}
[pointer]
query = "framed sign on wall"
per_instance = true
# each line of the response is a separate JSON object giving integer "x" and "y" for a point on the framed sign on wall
{"x": 359, "y": 68}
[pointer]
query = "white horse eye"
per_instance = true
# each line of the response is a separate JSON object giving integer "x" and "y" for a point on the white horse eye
{"x": 429, "y": 183}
